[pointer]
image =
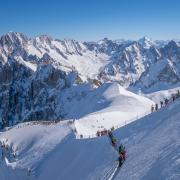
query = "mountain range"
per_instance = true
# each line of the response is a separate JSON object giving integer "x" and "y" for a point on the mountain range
{"x": 41, "y": 76}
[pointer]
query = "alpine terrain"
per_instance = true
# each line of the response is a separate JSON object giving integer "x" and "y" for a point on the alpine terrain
{"x": 105, "y": 110}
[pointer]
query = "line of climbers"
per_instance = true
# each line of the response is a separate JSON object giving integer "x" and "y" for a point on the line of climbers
{"x": 104, "y": 132}
{"x": 155, "y": 107}
{"x": 121, "y": 149}
{"x": 166, "y": 101}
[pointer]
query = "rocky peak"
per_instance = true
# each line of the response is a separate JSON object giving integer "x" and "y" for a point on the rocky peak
{"x": 172, "y": 45}
{"x": 104, "y": 41}
{"x": 171, "y": 49}
{"x": 146, "y": 42}
{"x": 73, "y": 47}
{"x": 13, "y": 39}
{"x": 43, "y": 39}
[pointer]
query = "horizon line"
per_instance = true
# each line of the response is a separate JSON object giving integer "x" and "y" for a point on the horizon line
{"x": 69, "y": 38}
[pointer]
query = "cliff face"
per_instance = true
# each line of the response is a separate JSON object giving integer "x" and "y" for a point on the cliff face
{"x": 27, "y": 95}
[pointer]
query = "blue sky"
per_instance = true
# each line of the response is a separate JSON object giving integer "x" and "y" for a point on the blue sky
{"x": 92, "y": 19}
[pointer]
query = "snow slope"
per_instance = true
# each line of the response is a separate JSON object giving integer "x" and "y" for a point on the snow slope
{"x": 161, "y": 95}
{"x": 109, "y": 100}
{"x": 114, "y": 106}
{"x": 34, "y": 133}
{"x": 153, "y": 146}
{"x": 51, "y": 151}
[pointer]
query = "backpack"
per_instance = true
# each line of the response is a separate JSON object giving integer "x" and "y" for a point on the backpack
{"x": 121, "y": 148}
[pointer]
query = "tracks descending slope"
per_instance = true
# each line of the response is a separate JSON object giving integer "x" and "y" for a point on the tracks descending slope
{"x": 109, "y": 174}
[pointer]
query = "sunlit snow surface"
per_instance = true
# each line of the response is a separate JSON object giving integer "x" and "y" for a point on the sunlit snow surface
{"x": 115, "y": 107}
{"x": 52, "y": 151}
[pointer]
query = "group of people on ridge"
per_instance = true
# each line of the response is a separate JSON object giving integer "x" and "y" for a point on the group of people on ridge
{"x": 121, "y": 149}
{"x": 104, "y": 132}
{"x": 166, "y": 101}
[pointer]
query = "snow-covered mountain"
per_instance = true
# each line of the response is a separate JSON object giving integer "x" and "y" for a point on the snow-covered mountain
{"x": 69, "y": 90}
{"x": 43, "y": 150}
{"x": 40, "y": 76}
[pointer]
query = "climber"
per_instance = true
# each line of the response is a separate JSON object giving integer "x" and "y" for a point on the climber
{"x": 105, "y": 131}
{"x": 120, "y": 159}
{"x": 98, "y": 133}
{"x": 75, "y": 130}
{"x": 152, "y": 108}
{"x": 28, "y": 172}
{"x": 156, "y": 107}
{"x": 81, "y": 136}
{"x": 161, "y": 102}
{"x": 166, "y": 101}
{"x": 177, "y": 94}
{"x": 110, "y": 134}
{"x": 173, "y": 97}
{"x": 112, "y": 129}
{"x": 122, "y": 151}
{"x": 102, "y": 134}
{"x": 121, "y": 148}
{"x": 113, "y": 141}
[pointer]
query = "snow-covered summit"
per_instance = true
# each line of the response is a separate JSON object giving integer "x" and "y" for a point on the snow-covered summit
{"x": 146, "y": 42}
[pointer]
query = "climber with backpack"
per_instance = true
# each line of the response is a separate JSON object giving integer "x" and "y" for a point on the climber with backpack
{"x": 110, "y": 134}
{"x": 113, "y": 141}
{"x": 156, "y": 107}
{"x": 120, "y": 160}
{"x": 161, "y": 102}
{"x": 112, "y": 138}
{"x": 98, "y": 133}
{"x": 177, "y": 94}
{"x": 152, "y": 108}
{"x": 122, "y": 151}
{"x": 173, "y": 97}
{"x": 166, "y": 101}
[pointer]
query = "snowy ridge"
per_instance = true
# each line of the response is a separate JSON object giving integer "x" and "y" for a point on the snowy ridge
{"x": 118, "y": 110}
{"x": 150, "y": 135}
